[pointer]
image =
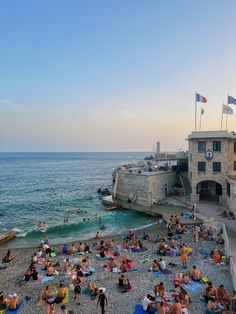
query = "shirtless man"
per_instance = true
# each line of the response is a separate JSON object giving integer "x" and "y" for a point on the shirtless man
{"x": 195, "y": 273}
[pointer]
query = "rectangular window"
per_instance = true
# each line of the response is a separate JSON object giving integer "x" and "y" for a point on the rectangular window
{"x": 216, "y": 146}
{"x": 228, "y": 189}
{"x": 216, "y": 166}
{"x": 234, "y": 165}
{"x": 201, "y": 146}
{"x": 202, "y": 166}
{"x": 235, "y": 147}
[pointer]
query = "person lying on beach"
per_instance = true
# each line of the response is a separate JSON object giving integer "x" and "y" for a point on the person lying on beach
{"x": 8, "y": 258}
{"x": 14, "y": 301}
{"x": 196, "y": 273}
{"x": 67, "y": 265}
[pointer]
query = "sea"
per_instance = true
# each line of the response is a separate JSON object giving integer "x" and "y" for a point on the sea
{"x": 50, "y": 187}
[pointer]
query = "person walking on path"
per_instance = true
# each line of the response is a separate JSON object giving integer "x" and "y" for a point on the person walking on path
{"x": 102, "y": 300}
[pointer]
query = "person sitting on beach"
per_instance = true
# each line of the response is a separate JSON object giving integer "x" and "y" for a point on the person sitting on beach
{"x": 87, "y": 248}
{"x": 159, "y": 290}
{"x": 124, "y": 267}
{"x": 125, "y": 244}
{"x": 186, "y": 279}
{"x": 145, "y": 236}
{"x": 217, "y": 257}
{"x": 72, "y": 249}
{"x": 178, "y": 279}
{"x": 110, "y": 244}
{"x": 45, "y": 295}
{"x": 61, "y": 293}
{"x": 67, "y": 265}
{"x": 184, "y": 298}
{"x": 130, "y": 235}
{"x": 148, "y": 304}
{"x": 8, "y": 258}
{"x": 102, "y": 252}
{"x": 219, "y": 240}
{"x": 221, "y": 295}
{"x": 51, "y": 308}
{"x": 162, "y": 264}
{"x": 3, "y": 303}
{"x": 123, "y": 283}
{"x": 212, "y": 306}
{"x": 98, "y": 235}
{"x": 91, "y": 286}
{"x": 209, "y": 292}
{"x": 196, "y": 273}
{"x": 81, "y": 248}
{"x": 111, "y": 264}
{"x": 50, "y": 270}
{"x": 65, "y": 249}
{"x": 176, "y": 307}
{"x": 14, "y": 301}
{"x": 161, "y": 308}
{"x": 155, "y": 266}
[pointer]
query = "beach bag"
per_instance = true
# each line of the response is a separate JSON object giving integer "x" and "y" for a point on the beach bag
{"x": 204, "y": 280}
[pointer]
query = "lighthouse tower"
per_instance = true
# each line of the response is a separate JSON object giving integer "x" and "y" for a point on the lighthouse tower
{"x": 158, "y": 149}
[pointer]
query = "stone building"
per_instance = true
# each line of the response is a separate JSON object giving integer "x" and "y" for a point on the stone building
{"x": 212, "y": 167}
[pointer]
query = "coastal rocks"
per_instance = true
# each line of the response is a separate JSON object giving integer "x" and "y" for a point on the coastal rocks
{"x": 104, "y": 191}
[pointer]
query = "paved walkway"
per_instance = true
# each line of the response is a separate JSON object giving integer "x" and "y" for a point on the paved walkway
{"x": 214, "y": 210}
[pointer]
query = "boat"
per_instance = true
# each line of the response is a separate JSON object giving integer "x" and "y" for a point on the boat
{"x": 8, "y": 236}
{"x": 112, "y": 207}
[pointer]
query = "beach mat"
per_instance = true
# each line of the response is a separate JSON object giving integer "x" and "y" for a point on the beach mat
{"x": 47, "y": 278}
{"x": 66, "y": 298}
{"x": 156, "y": 273}
{"x": 194, "y": 287}
{"x": 166, "y": 271}
{"x": 138, "y": 309}
{"x": 86, "y": 292}
{"x": 204, "y": 252}
{"x": 17, "y": 310}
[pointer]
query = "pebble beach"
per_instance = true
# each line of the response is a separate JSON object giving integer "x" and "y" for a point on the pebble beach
{"x": 141, "y": 279}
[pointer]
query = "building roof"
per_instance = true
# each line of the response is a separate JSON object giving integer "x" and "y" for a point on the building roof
{"x": 211, "y": 134}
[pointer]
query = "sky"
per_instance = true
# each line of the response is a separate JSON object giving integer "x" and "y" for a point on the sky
{"x": 107, "y": 75}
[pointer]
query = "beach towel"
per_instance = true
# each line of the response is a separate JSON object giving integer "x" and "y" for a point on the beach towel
{"x": 47, "y": 278}
{"x": 66, "y": 298}
{"x": 156, "y": 273}
{"x": 204, "y": 252}
{"x": 138, "y": 309}
{"x": 166, "y": 271}
{"x": 86, "y": 292}
{"x": 93, "y": 270}
{"x": 17, "y": 310}
{"x": 194, "y": 287}
{"x": 34, "y": 281}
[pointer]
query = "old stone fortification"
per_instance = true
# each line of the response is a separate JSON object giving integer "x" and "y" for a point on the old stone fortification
{"x": 144, "y": 188}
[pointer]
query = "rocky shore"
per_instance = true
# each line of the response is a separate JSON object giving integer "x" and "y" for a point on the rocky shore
{"x": 141, "y": 280}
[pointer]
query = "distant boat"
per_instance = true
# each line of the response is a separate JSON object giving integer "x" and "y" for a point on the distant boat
{"x": 112, "y": 207}
{"x": 8, "y": 236}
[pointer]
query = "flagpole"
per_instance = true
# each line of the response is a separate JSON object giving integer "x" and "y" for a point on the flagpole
{"x": 222, "y": 116}
{"x": 200, "y": 122}
{"x": 195, "y": 114}
{"x": 227, "y": 114}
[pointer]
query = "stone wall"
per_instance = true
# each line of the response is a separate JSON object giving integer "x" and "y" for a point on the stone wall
{"x": 142, "y": 188}
{"x": 231, "y": 200}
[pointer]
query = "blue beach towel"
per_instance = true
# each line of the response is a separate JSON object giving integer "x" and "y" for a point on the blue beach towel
{"x": 93, "y": 270}
{"x": 157, "y": 273}
{"x": 17, "y": 310}
{"x": 138, "y": 309}
{"x": 47, "y": 278}
{"x": 204, "y": 252}
{"x": 194, "y": 287}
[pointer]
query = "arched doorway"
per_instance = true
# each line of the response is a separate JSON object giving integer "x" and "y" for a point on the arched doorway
{"x": 209, "y": 191}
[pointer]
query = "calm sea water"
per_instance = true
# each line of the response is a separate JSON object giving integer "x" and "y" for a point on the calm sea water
{"x": 51, "y": 186}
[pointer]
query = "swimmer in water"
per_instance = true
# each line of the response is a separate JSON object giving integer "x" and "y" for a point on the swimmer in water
{"x": 84, "y": 219}
{"x": 100, "y": 220}
{"x": 96, "y": 215}
{"x": 66, "y": 220}
{"x": 78, "y": 210}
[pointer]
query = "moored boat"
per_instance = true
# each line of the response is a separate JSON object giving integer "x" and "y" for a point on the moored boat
{"x": 8, "y": 236}
{"x": 112, "y": 207}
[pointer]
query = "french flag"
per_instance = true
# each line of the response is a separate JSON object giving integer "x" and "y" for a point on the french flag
{"x": 200, "y": 98}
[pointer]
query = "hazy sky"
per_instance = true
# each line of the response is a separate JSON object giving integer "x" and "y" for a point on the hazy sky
{"x": 96, "y": 75}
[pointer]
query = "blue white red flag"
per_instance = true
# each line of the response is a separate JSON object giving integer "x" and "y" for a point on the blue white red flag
{"x": 231, "y": 100}
{"x": 200, "y": 98}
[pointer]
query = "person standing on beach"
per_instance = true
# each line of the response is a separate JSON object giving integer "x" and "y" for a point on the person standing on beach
{"x": 184, "y": 257}
{"x": 102, "y": 300}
